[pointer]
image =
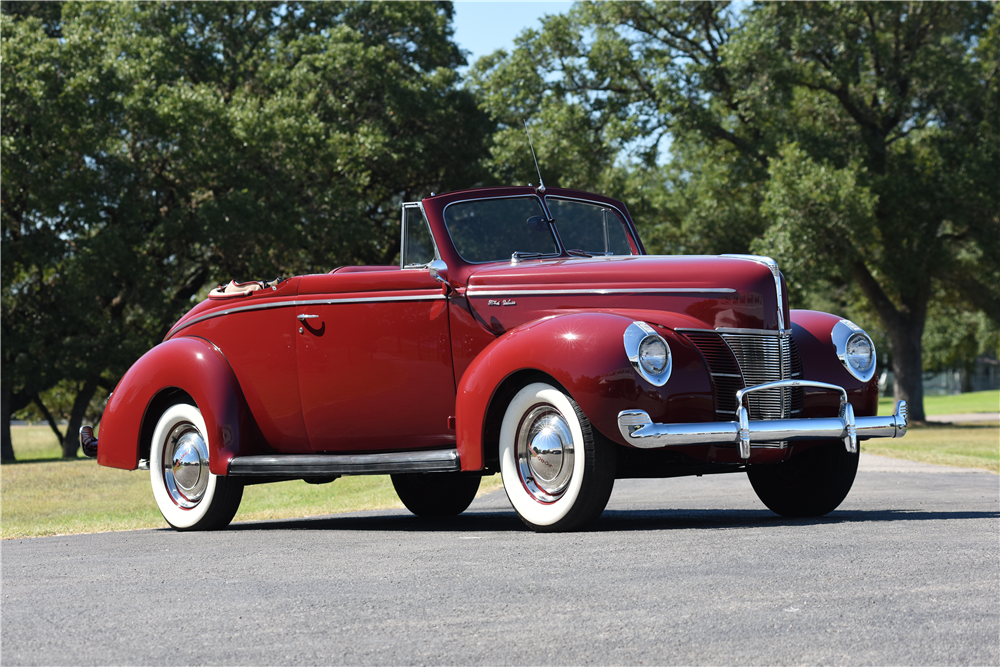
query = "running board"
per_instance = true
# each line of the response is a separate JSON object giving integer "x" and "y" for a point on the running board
{"x": 318, "y": 465}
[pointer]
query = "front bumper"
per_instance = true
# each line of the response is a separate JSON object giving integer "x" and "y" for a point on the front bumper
{"x": 639, "y": 430}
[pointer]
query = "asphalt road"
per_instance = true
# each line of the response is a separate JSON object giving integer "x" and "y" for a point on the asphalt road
{"x": 684, "y": 571}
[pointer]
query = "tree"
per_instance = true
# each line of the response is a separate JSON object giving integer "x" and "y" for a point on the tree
{"x": 857, "y": 143}
{"x": 153, "y": 149}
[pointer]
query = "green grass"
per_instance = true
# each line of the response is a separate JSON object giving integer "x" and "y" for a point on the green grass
{"x": 975, "y": 401}
{"x": 973, "y": 445}
{"x": 33, "y": 443}
{"x": 57, "y": 497}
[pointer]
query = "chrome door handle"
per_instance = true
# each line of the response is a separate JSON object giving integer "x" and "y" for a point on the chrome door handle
{"x": 302, "y": 318}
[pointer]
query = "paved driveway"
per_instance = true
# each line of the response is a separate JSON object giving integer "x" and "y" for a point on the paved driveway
{"x": 684, "y": 571}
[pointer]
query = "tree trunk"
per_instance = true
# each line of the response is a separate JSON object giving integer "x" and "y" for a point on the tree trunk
{"x": 905, "y": 327}
{"x": 53, "y": 424}
{"x": 968, "y": 373}
{"x": 7, "y": 446}
{"x": 71, "y": 443}
{"x": 908, "y": 367}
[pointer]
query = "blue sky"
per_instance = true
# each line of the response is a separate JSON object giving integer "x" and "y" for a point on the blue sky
{"x": 484, "y": 27}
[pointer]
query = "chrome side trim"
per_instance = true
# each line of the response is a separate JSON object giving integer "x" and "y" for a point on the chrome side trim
{"x": 305, "y": 302}
{"x": 639, "y": 430}
{"x": 313, "y": 465}
{"x": 615, "y": 290}
{"x": 773, "y": 266}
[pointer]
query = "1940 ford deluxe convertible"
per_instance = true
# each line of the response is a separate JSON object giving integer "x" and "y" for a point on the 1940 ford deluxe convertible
{"x": 526, "y": 332}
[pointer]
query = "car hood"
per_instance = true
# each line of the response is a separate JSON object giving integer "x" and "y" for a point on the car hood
{"x": 690, "y": 291}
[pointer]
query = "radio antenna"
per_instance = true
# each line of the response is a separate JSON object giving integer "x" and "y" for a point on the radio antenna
{"x": 541, "y": 183}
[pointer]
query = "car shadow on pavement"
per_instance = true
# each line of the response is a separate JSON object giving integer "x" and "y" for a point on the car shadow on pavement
{"x": 482, "y": 521}
{"x": 628, "y": 520}
{"x": 610, "y": 521}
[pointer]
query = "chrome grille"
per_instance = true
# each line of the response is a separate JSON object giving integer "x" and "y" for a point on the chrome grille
{"x": 725, "y": 371}
{"x": 744, "y": 360}
{"x": 768, "y": 359}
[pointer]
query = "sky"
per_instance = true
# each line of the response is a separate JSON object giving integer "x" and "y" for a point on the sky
{"x": 483, "y": 27}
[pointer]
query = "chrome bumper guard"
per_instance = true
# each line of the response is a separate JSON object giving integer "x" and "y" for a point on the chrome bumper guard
{"x": 639, "y": 430}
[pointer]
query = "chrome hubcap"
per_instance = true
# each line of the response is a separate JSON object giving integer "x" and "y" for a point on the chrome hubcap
{"x": 185, "y": 465}
{"x": 545, "y": 453}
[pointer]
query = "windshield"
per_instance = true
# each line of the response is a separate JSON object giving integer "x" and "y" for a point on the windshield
{"x": 589, "y": 228}
{"x": 488, "y": 230}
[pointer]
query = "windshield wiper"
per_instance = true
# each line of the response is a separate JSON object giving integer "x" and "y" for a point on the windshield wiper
{"x": 518, "y": 255}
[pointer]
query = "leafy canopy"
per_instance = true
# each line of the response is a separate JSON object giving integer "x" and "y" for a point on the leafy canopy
{"x": 153, "y": 149}
{"x": 855, "y": 142}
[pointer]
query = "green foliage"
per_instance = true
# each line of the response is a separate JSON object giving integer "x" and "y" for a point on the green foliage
{"x": 956, "y": 336}
{"x": 59, "y": 400}
{"x": 154, "y": 148}
{"x": 857, "y": 143}
{"x": 823, "y": 220}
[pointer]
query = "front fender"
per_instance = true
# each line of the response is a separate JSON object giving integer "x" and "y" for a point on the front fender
{"x": 811, "y": 330}
{"x": 583, "y": 352}
{"x": 195, "y": 367}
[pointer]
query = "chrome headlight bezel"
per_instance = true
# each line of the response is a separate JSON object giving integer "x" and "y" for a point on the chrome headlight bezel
{"x": 636, "y": 335}
{"x": 843, "y": 334}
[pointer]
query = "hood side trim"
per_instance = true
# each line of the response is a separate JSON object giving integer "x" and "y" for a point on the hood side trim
{"x": 616, "y": 290}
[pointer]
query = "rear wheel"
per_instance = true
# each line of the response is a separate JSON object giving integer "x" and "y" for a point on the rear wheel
{"x": 811, "y": 483}
{"x": 436, "y": 494}
{"x": 188, "y": 495}
{"x": 557, "y": 471}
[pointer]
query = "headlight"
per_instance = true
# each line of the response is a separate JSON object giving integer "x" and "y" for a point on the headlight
{"x": 653, "y": 354}
{"x": 859, "y": 352}
{"x": 648, "y": 353}
{"x": 854, "y": 349}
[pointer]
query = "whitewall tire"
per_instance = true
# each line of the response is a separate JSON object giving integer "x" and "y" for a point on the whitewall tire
{"x": 188, "y": 495}
{"x": 557, "y": 471}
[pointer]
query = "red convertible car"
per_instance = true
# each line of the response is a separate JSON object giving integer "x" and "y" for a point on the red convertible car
{"x": 527, "y": 332}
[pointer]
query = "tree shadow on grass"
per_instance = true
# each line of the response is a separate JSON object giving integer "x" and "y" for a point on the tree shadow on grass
{"x": 44, "y": 460}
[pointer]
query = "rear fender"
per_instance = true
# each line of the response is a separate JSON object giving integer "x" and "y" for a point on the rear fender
{"x": 186, "y": 365}
{"x": 584, "y": 353}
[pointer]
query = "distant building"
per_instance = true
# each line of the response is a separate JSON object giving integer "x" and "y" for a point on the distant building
{"x": 985, "y": 375}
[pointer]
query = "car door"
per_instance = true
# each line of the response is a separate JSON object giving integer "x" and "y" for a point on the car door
{"x": 374, "y": 358}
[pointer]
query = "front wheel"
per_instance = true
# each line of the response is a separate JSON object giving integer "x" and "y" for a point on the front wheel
{"x": 188, "y": 495}
{"x": 557, "y": 471}
{"x": 436, "y": 494}
{"x": 811, "y": 483}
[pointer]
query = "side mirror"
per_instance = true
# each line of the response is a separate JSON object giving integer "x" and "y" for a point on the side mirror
{"x": 439, "y": 271}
